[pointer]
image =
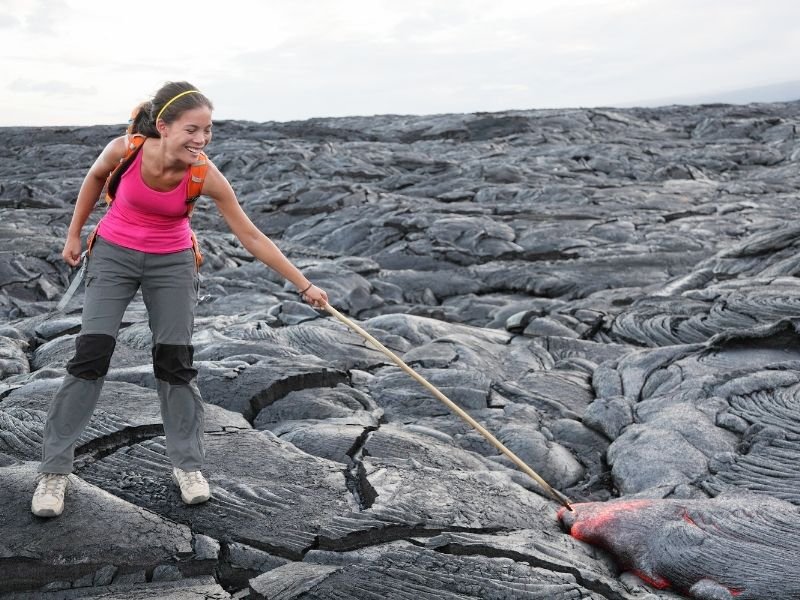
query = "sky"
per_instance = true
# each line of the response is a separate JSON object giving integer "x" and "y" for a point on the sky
{"x": 86, "y": 62}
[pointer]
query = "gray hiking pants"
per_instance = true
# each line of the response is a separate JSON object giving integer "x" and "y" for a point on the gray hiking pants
{"x": 169, "y": 289}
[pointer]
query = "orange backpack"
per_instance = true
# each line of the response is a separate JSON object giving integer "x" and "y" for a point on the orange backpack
{"x": 197, "y": 176}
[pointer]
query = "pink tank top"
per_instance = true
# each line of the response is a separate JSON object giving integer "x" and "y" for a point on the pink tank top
{"x": 145, "y": 219}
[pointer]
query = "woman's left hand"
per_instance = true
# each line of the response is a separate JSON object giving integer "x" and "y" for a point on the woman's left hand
{"x": 315, "y": 296}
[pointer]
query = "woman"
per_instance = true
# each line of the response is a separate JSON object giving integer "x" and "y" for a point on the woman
{"x": 144, "y": 241}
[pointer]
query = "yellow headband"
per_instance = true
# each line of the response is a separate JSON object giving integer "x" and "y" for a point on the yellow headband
{"x": 171, "y": 100}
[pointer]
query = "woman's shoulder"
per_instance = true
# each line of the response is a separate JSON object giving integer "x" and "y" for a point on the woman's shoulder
{"x": 117, "y": 147}
{"x": 110, "y": 157}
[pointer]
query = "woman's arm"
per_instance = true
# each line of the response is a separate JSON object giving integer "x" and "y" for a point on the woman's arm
{"x": 87, "y": 197}
{"x": 254, "y": 241}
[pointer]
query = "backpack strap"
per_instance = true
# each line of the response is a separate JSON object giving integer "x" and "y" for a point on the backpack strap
{"x": 198, "y": 256}
{"x": 134, "y": 143}
{"x": 197, "y": 177}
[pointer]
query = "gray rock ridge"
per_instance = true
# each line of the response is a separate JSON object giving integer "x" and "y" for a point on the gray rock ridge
{"x": 395, "y": 570}
{"x": 611, "y": 292}
{"x": 49, "y": 554}
{"x": 185, "y": 589}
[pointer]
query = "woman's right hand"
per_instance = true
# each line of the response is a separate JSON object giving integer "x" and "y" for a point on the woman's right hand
{"x": 316, "y": 297}
{"x": 72, "y": 251}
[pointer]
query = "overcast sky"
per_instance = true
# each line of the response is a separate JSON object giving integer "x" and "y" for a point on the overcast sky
{"x": 84, "y": 62}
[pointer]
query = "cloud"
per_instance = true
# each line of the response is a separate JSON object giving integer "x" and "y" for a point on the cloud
{"x": 46, "y": 16}
{"x": 49, "y": 87}
{"x": 8, "y": 21}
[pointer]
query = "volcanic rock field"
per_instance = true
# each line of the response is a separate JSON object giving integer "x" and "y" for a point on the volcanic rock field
{"x": 613, "y": 293}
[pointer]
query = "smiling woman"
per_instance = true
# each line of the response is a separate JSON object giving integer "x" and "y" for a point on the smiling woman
{"x": 145, "y": 242}
{"x": 149, "y": 207}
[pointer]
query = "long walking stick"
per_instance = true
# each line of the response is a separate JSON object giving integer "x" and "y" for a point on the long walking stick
{"x": 558, "y": 496}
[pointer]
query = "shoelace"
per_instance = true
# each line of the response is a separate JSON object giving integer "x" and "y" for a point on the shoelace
{"x": 194, "y": 477}
{"x": 54, "y": 485}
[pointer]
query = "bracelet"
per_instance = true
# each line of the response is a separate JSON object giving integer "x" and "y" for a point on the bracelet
{"x": 301, "y": 292}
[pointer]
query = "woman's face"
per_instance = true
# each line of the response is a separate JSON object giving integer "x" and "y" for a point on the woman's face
{"x": 189, "y": 134}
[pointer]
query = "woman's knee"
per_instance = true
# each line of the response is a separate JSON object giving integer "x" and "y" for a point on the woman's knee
{"x": 173, "y": 363}
{"x": 92, "y": 358}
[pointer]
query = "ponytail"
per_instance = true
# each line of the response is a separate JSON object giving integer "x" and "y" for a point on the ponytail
{"x": 142, "y": 122}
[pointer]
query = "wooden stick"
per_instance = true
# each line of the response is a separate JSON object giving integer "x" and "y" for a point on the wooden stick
{"x": 558, "y": 496}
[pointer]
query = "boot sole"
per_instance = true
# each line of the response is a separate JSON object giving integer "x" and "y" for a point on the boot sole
{"x": 47, "y": 512}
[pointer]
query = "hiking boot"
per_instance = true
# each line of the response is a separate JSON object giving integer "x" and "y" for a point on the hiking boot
{"x": 194, "y": 487}
{"x": 48, "y": 499}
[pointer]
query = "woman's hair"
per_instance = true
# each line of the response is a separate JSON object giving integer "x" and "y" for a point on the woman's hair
{"x": 170, "y": 101}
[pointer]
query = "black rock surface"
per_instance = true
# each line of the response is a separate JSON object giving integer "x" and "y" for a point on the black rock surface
{"x": 613, "y": 293}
